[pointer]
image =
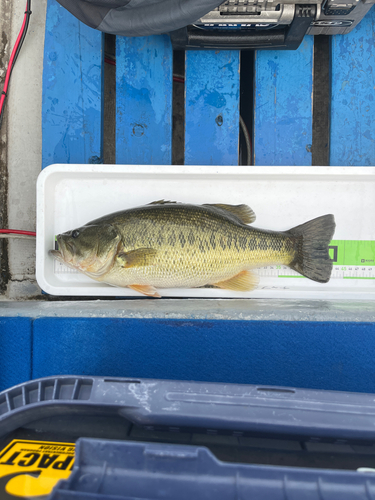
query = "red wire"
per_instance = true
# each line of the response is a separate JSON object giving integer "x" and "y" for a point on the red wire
{"x": 109, "y": 61}
{"x": 17, "y": 231}
{"x": 10, "y": 65}
{"x": 178, "y": 79}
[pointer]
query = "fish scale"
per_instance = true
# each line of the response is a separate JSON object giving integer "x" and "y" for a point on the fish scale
{"x": 194, "y": 249}
{"x": 169, "y": 245}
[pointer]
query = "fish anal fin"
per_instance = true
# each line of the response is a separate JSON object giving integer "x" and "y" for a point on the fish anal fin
{"x": 148, "y": 290}
{"x": 137, "y": 258}
{"x": 244, "y": 281}
{"x": 242, "y": 212}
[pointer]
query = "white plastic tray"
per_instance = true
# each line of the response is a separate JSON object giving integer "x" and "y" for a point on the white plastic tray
{"x": 69, "y": 196}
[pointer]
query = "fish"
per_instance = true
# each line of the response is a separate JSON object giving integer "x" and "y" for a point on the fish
{"x": 167, "y": 244}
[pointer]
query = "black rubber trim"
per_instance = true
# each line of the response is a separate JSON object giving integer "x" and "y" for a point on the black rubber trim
{"x": 321, "y": 101}
{"x": 289, "y": 38}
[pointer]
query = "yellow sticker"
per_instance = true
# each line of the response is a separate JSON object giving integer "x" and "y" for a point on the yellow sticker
{"x": 30, "y": 469}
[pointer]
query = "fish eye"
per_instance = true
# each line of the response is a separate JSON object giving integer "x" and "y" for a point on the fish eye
{"x": 75, "y": 233}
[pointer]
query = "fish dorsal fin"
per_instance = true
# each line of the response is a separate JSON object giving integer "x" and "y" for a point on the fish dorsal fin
{"x": 242, "y": 212}
{"x": 161, "y": 202}
{"x": 242, "y": 282}
{"x": 137, "y": 258}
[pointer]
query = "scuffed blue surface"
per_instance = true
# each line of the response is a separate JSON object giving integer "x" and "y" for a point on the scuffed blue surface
{"x": 283, "y": 105}
{"x": 72, "y": 90}
{"x": 320, "y": 355}
{"x": 353, "y": 92}
{"x": 212, "y": 107}
{"x": 15, "y": 351}
{"x": 144, "y": 100}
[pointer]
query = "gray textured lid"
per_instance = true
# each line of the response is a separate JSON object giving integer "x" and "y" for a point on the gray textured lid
{"x": 138, "y": 17}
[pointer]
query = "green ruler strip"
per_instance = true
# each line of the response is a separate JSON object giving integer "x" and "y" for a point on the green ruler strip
{"x": 352, "y": 259}
{"x": 352, "y": 252}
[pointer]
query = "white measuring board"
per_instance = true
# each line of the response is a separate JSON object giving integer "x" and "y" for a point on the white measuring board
{"x": 69, "y": 196}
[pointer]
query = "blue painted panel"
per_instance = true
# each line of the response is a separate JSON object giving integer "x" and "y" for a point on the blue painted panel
{"x": 212, "y": 89}
{"x": 338, "y": 356}
{"x": 15, "y": 351}
{"x": 353, "y": 95}
{"x": 283, "y": 105}
{"x": 72, "y": 90}
{"x": 144, "y": 100}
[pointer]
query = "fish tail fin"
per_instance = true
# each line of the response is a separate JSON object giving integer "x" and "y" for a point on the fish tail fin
{"x": 311, "y": 257}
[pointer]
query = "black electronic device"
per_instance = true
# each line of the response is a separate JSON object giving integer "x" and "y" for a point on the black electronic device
{"x": 232, "y": 24}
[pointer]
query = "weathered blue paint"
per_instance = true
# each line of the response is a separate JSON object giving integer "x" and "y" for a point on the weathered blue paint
{"x": 72, "y": 90}
{"x": 15, "y": 351}
{"x": 353, "y": 95}
{"x": 144, "y": 100}
{"x": 283, "y": 106}
{"x": 321, "y": 355}
{"x": 212, "y": 88}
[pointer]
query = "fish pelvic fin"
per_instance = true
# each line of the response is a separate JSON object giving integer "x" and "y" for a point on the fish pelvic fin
{"x": 311, "y": 257}
{"x": 136, "y": 258}
{"x": 244, "y": 281}
{"x": 148, "y": 290}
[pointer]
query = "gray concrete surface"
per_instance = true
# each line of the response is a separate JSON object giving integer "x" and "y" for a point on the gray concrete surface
{"x": 5, "y": 50}
{"x": 23, "y": 140}
{"x": 237, "y": 309}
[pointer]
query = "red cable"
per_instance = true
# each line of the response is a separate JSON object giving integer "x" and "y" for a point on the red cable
{"x": 16, "y": 231}
{"x": 10, "y": 65}
{"x": 109, "y": 61}
{"x": 178, "y": 79}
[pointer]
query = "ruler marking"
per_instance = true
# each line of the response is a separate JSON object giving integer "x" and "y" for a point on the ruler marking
{"x": 352, "y": 259}
{"x": 359, "y": 277}
{"x": 290, "y": 276}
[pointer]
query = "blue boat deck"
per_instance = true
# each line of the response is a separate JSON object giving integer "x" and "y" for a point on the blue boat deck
{"x": 326, "y": 352}
{"x": 282, "y": 89}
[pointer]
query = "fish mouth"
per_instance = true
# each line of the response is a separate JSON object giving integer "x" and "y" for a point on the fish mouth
{"x": 55, "y": 253}
{"x": 61, "y": 255}
{"x": 63, "y": 250}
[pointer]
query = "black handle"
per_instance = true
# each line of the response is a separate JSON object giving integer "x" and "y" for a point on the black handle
{"x": 289, "y": 38}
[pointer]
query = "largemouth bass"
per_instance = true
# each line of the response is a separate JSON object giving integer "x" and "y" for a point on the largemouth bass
{"x": 174, "y": 245}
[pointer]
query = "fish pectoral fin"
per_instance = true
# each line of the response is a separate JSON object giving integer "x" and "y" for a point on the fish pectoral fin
{"x": 242, "y": 212}
{"x": 148, "y": 290}
{"x": 137, "y": 258}
{"x": 242, "y": 282}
